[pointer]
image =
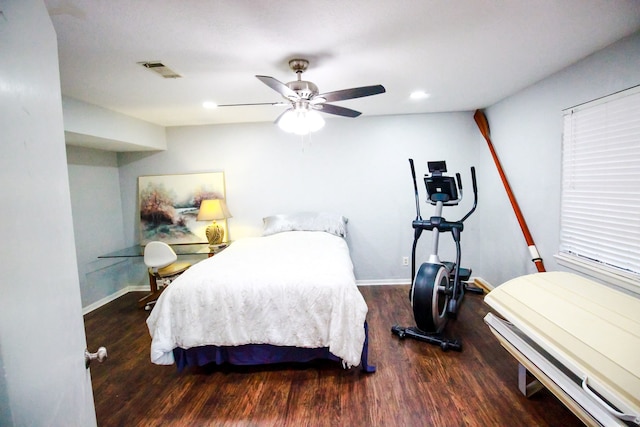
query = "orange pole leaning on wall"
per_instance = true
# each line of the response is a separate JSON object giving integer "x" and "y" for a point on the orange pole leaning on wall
{"x": 483, "y": 125}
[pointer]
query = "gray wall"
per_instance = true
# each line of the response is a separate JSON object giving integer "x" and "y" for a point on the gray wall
{"x": 526, "y": 129}
{"x": 359, "y": 168}
{"x": 97, "y": 222}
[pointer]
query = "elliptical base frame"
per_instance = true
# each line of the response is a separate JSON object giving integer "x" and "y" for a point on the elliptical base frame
{"x": 437, "y": 339}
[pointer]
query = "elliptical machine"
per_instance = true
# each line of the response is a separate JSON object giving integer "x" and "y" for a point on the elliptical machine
{"x": 438, "y": 287}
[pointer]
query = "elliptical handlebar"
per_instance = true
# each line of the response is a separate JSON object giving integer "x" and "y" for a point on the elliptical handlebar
{"x": 473, "y": 179}
{"x": 475, "y": 194}
{"x": 415, "y": 187}
{"x": 420, "y": 224}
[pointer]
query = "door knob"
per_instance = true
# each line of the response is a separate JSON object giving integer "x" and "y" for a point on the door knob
{"x": 100, "y": 356}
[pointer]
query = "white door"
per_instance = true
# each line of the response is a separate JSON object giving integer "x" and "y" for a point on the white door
{"x": 43, "y": 381}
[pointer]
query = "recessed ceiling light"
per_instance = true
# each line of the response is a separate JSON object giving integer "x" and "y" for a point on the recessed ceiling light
{"x": 419, "y": 94}
{"x": 209, "y": 104}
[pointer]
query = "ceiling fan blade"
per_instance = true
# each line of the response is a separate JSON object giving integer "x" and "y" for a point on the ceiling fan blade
{"x": 339, "y": 111}
{"x": 356, "y": 92}
{"x": 279, "y": 87}
{"x": 277, "y": 104}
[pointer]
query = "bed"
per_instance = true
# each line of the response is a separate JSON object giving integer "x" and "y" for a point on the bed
{"x": 288, "y": 296}
{"x": 576, "y": 337}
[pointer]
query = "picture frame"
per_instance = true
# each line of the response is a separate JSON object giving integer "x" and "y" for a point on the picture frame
{"x": 168, "y": 206}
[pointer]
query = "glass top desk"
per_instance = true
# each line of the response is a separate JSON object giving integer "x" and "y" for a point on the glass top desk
{"x": 181, "y": 249}
{"x": 137, "y": 251}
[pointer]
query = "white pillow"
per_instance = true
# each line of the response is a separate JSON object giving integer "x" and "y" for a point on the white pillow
{"x": 306, "y": 221}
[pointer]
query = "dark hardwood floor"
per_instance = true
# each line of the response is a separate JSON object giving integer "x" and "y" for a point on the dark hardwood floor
{"x": 416, "y": 384}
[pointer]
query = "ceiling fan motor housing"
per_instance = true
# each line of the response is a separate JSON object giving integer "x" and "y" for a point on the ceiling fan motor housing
{"x": 303, "y": 88}
{"x": 298, "y": 65}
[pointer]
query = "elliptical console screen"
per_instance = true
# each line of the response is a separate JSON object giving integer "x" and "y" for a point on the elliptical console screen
{"x": 440, "y": 187}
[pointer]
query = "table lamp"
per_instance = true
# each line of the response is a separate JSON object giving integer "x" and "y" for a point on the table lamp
{"x": 212, "y": 210}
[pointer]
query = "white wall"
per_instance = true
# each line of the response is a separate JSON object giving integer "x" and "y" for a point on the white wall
{"x": 358, "y": 168}
{"x": 526, "y": 130}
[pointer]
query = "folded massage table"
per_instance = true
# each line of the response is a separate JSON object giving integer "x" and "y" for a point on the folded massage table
{"x": 578, "y": 338}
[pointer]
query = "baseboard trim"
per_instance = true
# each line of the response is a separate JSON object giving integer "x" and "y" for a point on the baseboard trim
{"x": 481, "y": 283}
{"x": 383, "y": 282}
{"x": 109, "y": 298}
{"x": 477, "y": 281}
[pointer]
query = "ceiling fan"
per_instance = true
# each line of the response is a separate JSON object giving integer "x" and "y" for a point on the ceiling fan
{"x": 304, "y": 100}
{"x": 304, "y": 93}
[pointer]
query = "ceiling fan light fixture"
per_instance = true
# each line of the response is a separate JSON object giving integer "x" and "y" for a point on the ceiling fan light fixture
{"x": 301, "y": 121}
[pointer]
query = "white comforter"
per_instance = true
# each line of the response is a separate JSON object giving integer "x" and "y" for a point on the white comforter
{"x": 295, "y": 288}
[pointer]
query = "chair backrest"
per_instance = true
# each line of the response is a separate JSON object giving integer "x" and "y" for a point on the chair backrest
{"x": 158, "y": 255}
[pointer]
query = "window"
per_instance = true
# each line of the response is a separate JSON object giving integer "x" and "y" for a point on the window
{"x": 600, "y": 209}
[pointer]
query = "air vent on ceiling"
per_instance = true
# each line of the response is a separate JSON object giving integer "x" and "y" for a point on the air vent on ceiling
{"x": 161, "y": 69}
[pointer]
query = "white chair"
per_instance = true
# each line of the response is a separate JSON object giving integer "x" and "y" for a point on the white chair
{"x": 160, "y": 259}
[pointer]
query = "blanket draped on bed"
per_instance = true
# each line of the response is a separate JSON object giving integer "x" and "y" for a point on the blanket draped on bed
{"x": 294, "y": 288}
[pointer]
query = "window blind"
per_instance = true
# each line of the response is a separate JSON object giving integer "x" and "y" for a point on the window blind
{"x": 600, "y": 208}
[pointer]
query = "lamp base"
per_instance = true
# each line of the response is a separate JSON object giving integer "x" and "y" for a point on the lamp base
{"x": 215, "y": 234}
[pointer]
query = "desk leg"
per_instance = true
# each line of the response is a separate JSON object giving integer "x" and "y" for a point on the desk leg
{"x": 155, "y": 293}
{"x": 153, "y": 284}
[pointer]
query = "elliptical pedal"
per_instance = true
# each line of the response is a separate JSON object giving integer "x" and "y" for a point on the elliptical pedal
{"x": 464, "y": 273}
{"x": 473, "y": 289}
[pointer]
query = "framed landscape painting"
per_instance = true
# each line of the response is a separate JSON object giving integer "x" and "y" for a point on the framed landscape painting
{"x": 169, "y": 205}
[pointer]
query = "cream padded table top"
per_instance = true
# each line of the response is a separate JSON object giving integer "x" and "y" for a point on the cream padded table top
{"x": 590, "y": 328}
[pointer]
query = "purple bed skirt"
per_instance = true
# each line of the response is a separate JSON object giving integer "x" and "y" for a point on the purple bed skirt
{"x": 261, "y": 354}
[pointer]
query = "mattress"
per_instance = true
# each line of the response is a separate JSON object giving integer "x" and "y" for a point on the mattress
{"x": 568, "y": 329}
{"x": 294, "y": 288}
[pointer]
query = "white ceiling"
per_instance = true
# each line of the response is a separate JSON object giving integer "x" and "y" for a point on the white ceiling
{"x": 467, "y": 54}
